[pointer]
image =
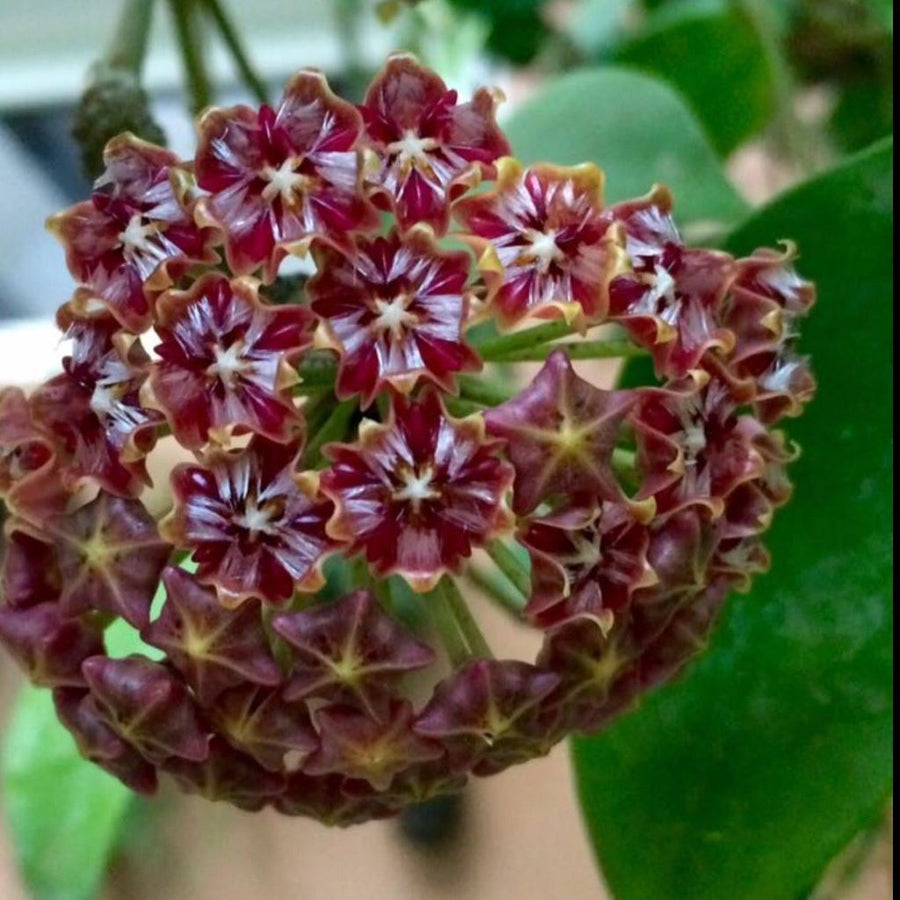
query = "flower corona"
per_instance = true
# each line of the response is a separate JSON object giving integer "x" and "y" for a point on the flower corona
{"x": 365, "y": 465}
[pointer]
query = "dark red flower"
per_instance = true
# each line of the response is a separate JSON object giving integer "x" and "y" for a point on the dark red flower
{"x": 672, "y": 301}
{"x": 146, "y": 705}
{"x": 30, "y": 571}
{"x": 586, "y": 565}
{"x": 96, "y": 741}
{"x": 256, "y": 527}
{"x": 49, "y": 646}
{"x": 94, "y": 409}
{"x": 349, "y": 650}
{"x": 226, "y": 362}
{"x": 30, "y": 482}
{"x": 419, "y": 492}
{"x": 690, "y": 446}
{"x": 561, "y": 432}
{"x": 395, "y": 308}
{"x": 766, "y": 302}
{"x": 135, "y": 235}
{"x": 226, "y": 775}
{"x": 684, "y": 637}
{"x": 431, "y": 148}
{"x": 213, "y": 647}
{"x": 277, "y": 178}
{"x": 326, "y": 798}
{"x": 261, "y": 723}
{"x": 110, "y": 555}
{"x": 358, "y": 746}
{"x": 485, "y": 712}
{"x": 545, "y": 248}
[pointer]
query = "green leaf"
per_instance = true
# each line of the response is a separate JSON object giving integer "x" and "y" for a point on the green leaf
{"x": 743, "y": 779}
{"x": 637, "y": 129}
{"x": 64, "y": 813}
{"x": 712, "y": 54}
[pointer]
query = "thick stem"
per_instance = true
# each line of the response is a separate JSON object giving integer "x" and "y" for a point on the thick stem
{"x": 497, "y": 348}
{"x": 232, "y": 40}
{"x": 333, "y": 429}
{"x": 510, "y": 565}
{"x": 317, "y": 371}
{"x": 461, "y": 408}
{"x": 445, "y": 624}
{"x": 190, "y": 42}
{"x": 613, "y": 349}
{"x": 465, "y": 621}
{"x": 485, "y": 393}
{"x": 499, "y": 588}
{"x": 128, "y": 46}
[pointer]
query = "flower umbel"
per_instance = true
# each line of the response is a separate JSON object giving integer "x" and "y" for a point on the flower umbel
{"x": 366, "y": 449}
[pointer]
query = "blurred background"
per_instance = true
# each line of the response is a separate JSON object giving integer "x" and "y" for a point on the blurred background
{"x": 780, "y": 89}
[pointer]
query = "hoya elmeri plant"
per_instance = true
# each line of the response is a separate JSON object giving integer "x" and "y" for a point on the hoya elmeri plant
{"x": 368, "y": 421}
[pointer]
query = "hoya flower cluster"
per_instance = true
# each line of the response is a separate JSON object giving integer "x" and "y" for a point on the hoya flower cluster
{"x": 361, "y": 457}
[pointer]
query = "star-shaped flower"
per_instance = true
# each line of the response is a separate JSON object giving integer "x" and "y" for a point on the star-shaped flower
{"x": 213, "y": 647}
{"x": 486, "y": 711}
{"x": 431, "y": 148}
{"x": 418, "y": 493}
{"x": 97, "y": 742}
{"x": 545, "y": 248}
{"x": 766, "y": 302}
{"x": 395, "y": 309}
{"x": 671, "y": 302}
{"x": 226, "y": 775}
{"x": 326, "y": 799}
{"x": 689, "y": 446}
{"x": 47, "y": 644}
{"x": 94, "y": 407}
{"x": 226, "y": 362}
{"x": 110, "y": 555}
{"x": 598, "y": 675}
{"x": 256, "y": 527}
{"x": 30, "y": 482}
{"x": 147, "y": 706}
{"x": 261, "y": 723}
{"x": 136, "y": 234}
{"x": 30, "y": 574}
{"x": 349, "y": 650}
{"x": 358, "y": 746}
{"x": 589, "y": 567}
{"x": 277, "y": 178}
{"x": 561, "y": 432}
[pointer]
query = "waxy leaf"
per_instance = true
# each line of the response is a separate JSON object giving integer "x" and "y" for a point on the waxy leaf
{"x": 712, "y": 54}
{"x": 743, "y": 779}
{"x": 635, "y": 128}
{"x": 64, "y": 813}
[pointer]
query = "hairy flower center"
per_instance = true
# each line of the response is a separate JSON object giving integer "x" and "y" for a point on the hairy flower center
{"x": 661, "y": 299}
{"x": 136, "y": 237}
{"x": 229, "y": 363}
{"x": 587, "y": 554}
{"x": 105, "y": 400}
{"x": 543, "y": 249}
{"x": 412, "y": 151}
{"x": 417, "y": 486}
{"x": 693, "y": 437}
{"x": 285, "y": 182}
{"x": 394, "y": 315}
{"x": 259, "y": 518}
